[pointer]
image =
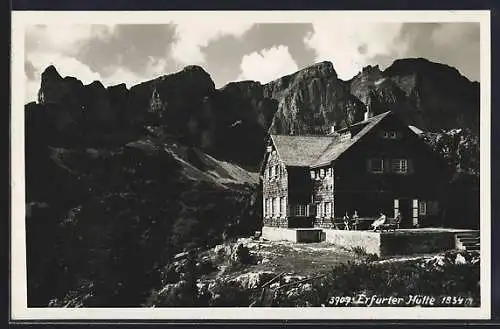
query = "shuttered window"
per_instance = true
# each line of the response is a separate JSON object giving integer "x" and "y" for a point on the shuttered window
{"x": 422, "y": 208}
{"x": 400, "y": 166}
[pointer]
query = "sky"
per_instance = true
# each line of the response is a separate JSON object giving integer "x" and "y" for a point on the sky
{"x": 237, "y": 51}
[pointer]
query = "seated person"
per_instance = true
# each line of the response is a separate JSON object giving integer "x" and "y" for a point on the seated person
{"x": 379, "y": 221}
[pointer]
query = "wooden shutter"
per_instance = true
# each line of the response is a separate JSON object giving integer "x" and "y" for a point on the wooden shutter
{"x": 387, "y": 165}
{"x": 415, "y": 212}
{"x": 312, "y": 209}
{"x": 396, "y": 207}
{"x": 410, "y": 166}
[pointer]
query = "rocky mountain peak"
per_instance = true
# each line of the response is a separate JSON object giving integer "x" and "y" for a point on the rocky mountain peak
{"x": 97, "y": 85}
{"x": 422, "y": 66}
{"x": 323, "y": 69}
{"x": 50, "y": 73}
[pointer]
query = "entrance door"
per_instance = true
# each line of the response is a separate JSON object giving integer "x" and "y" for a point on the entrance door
{"x": 403, "y": 207}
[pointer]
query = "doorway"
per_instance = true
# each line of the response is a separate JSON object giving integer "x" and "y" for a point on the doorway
{"x": 404, "y": 207}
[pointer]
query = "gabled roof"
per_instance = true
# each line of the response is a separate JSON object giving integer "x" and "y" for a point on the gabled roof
{"x": 300, "y": 151}
{"x": 335, "y": 149}
{"x": 315, "y": 151}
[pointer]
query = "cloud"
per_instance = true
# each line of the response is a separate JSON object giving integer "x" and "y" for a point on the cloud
{"x": 223, "y": 56}
{"x": 267, "y": 65}
{"x": 66, "y": 39}
{"x": 154, "y": 67}
{"x": 350, "y": 47}
{"x": 193, "y": 35}
{"x": 130, "y": 46}
{"x": 454, "y": 44}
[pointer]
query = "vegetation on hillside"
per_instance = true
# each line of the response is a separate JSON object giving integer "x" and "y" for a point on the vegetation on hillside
{"x": 130, "y": 211}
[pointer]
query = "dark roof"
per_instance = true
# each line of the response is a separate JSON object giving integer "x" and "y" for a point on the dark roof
{"x": 334, "y": 150}
{"x": 300, "y": 151}
{"x": 315, "y": 151}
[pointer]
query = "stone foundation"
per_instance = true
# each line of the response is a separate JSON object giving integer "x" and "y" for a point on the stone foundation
{"x": 275, "y": 222}
{"x": 290, "y": 234}
{"x": 323, "y": 223}
{"x": 399, "y": 242}
{"x": 369, "y": 241}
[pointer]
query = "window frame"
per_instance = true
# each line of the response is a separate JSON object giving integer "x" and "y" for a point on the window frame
{"x": 282, "y": 206}
{"x": 328, "y": 209}
{"x": 300, "y": 210}
{"x": 422, "y": 208}
{"x": 397, "y": 166}
{"x": 371, "y": 167}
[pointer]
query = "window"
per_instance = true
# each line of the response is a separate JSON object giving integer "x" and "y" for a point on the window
{"x": 422, "y": 208}
{"x": 329, "y": 172}
{"x": 269, "y": 173}
{"x": 322, "y": 173}
{"x": 277, "y": 173}
{"x": 264, "y": 210}
{"x": 400, "y": 166}
{"x": 282, "y": 206}
{"x": 268, "y": 208}
{"x": 328, "y": 209}
{"x": 275, "y": 207}
{"x": 319, "y": 209}
{"x": 313, "y": 174}
{"x": 300, "y": 210}
{"x": 376, "y": 165}
{"x": 389, "y": 134}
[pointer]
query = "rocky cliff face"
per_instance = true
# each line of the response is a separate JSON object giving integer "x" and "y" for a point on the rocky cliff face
{"x": 312, "y": 100}
{"x": 237, "y": 117}
{"x": 429, "y": 95}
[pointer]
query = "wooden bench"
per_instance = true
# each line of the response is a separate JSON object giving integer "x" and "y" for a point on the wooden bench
{"x": 340, "y": 224}
{"x": 391, "y": 224}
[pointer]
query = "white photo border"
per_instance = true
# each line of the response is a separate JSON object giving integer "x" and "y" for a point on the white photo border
{"x": 19, "y": 308}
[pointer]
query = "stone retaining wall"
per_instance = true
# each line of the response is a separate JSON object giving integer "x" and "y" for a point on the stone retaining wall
{"x": 399, "y": 242}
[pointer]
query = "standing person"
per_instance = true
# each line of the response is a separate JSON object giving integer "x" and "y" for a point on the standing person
{"x": 355, "y": 218}
{"x": 346, "y": 221}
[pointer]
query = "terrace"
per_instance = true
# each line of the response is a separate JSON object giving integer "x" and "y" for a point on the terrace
{"x": 382, "y": 243}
